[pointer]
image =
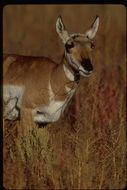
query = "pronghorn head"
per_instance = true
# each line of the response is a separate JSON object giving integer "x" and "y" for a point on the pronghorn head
{"x": 78, "y": 47}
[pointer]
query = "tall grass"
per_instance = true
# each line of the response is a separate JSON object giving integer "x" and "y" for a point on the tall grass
{"x": 86, "y": 148}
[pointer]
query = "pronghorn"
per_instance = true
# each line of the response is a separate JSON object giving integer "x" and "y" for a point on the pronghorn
{"x": 42, "y": 87}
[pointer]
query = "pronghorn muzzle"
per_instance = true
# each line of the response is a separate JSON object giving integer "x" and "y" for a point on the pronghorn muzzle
{"x": 87, "y": 66}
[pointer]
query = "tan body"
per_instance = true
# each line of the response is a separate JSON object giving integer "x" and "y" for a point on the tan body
{"x": 31, "y": 73}
{"x": 41, "y": 86}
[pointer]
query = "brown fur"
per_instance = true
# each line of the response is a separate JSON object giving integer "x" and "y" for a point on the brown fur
{"x": 34, "y": 73}
{"x": 41, "y": 78}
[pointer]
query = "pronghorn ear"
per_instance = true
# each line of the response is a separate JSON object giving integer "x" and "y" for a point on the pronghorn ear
{"x": 93, "y": 29}
{"x": 60, "y": 28}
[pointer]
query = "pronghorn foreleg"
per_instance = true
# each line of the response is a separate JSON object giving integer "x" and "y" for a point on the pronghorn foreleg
{"x": 26, "y": 121}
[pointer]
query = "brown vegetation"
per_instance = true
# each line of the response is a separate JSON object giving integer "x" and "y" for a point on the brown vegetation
{"x": 86, "y": 148}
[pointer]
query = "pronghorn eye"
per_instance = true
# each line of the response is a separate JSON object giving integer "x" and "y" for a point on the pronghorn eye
{"x": 69, "y": 45}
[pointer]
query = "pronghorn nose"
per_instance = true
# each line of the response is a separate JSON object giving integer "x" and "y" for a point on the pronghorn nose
{"x": 86, "y": 63}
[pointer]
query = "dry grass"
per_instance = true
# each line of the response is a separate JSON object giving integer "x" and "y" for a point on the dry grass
{"x": 86, "y": 148}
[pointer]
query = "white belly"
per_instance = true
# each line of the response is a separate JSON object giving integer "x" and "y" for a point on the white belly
{"x": 55, "y": 109}
{"x": 50, "y": 113}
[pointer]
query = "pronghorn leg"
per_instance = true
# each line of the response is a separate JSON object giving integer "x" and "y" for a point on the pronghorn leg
{"x": 26, "y": 122}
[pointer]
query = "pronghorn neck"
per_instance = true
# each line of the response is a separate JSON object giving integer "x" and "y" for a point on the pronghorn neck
{"x": 62, "y": 78}
{"x": 71, "y": 69}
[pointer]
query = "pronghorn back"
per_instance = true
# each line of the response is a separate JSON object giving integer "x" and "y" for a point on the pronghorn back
{"x": 19, "y": 68}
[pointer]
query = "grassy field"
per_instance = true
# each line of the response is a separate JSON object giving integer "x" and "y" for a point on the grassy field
{"x": 86, "y": 148}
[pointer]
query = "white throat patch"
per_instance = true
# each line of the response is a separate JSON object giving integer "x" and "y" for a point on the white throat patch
{"x": 68, "y": 73}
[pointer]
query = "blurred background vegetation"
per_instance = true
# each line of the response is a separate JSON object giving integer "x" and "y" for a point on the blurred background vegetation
{"x": 86, "y": 148}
